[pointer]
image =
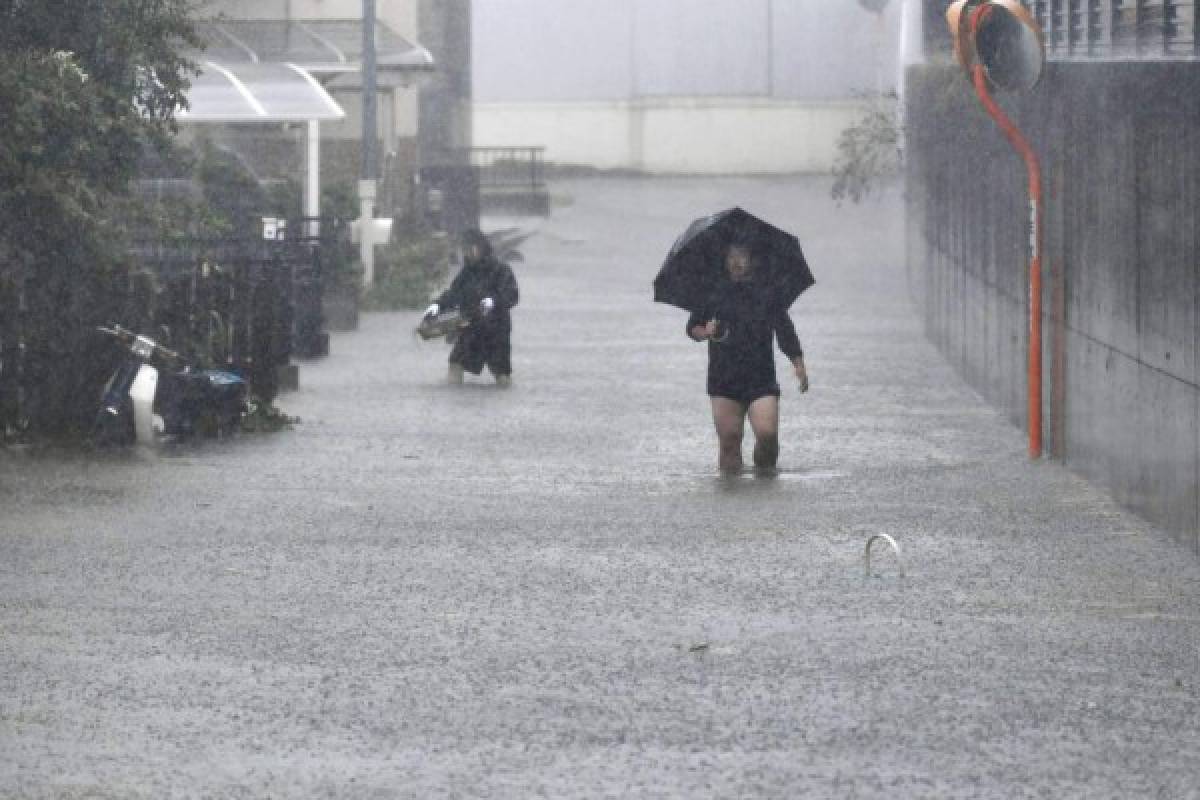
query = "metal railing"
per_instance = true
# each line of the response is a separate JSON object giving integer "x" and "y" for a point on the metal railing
{"x": 511, "y": 178}
{"x": 509, "y": 167}
{"x": 248, "y": 304}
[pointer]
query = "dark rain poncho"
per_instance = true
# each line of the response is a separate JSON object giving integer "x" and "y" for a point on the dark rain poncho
{"x": 742, "y": 366}
{"x": 488, "y": 339}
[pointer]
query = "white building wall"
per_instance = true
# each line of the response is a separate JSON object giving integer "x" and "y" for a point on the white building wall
{"x": 589, "y": 134}
{"x": 595, "y": 50}
{"x": 693, "y": 136}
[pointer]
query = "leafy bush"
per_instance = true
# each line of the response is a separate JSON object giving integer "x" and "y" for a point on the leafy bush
{"x": 412, "y": 266}
{"x": 264, "y": 417}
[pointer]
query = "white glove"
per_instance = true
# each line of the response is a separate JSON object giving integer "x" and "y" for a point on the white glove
{"x": 433, "y": 310}
{"x": 486, "y": 305}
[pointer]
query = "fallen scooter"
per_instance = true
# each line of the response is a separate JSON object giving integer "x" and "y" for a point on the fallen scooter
{"x": 154, "y": 396}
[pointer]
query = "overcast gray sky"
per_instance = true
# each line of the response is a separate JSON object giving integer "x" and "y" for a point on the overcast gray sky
{"x": 548, "y": 50}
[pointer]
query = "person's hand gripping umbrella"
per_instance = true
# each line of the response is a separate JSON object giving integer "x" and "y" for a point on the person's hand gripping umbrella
{"x": 695, "y": 268}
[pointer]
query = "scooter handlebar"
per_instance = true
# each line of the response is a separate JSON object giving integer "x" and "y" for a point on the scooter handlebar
{"x": 170, "y": 355}
{"x": 127, "y": 338}
{"x": 117, "y": 332}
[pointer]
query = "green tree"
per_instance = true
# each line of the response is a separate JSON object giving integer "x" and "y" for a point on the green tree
{"x": 85, "y": 85}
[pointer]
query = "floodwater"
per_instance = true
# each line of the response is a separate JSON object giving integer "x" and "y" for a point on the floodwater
{"x": 434, "y": 591}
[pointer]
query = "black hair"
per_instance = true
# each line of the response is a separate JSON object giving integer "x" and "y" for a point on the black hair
{"x": 473, "y": 236}
{"x": 743, "y": 236}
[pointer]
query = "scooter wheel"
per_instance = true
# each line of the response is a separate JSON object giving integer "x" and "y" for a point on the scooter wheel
{"x": 112, "y": 430}
{"x": 231, "y": 424}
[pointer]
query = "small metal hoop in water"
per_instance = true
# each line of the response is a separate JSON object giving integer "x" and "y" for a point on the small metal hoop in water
{"x": 867, "y": 553}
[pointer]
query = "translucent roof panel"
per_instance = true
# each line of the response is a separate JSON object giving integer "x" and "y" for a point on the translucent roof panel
{"x": 320, "y": 46}
{"x": 257, "y": 92}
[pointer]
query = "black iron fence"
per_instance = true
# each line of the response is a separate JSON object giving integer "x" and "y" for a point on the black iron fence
{"x": 13, "y": 314}
{"x": 245, "y": 304}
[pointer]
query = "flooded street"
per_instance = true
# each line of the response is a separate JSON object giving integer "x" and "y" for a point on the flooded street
{"x": 433, "y": 591}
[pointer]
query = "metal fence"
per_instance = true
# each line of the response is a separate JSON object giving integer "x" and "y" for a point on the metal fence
{"x": 1093, "y": 30}
{"x": 248, "y": 305}
{"x": 13, "y": 313}
{"x": 1118, "y": 29}
{"x": 509, "y": 167}
{"x": 511, "y": 178}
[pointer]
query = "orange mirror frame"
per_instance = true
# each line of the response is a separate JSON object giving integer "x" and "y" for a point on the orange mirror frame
{"x": 1002, "y": 37}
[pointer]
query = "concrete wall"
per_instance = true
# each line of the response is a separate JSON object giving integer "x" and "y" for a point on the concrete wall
{"x": 737, "y": 135}
{"x": 1120, "y": 145}
{"x": 445, "y": 95}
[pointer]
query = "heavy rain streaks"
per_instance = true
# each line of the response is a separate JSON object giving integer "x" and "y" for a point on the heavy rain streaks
{"x": 427, "y": 588}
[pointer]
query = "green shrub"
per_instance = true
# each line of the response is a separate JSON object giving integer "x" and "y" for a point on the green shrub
{"x": 264, "y": 417}
{"x": 408, "y": 271}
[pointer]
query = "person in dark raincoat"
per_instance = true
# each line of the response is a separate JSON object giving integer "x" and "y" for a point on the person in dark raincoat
{"x": 740, "y": 324}
{"x": 484, "y": 291}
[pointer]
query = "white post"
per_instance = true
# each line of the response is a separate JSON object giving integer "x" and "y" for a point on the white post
{"x": 366, "y": 237}
{"x": 312, "y": 182}
{"x": 911, "y": 40}
{"x": 912, "y": 49}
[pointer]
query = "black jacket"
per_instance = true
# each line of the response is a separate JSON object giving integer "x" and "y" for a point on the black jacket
{"x": 487, "y": 277}
{"x": 745, "y": 359}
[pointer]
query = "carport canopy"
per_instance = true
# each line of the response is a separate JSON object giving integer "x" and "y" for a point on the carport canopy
{"x": 272, "y": 70}
{"x": 257, "y": 92}
{"x": 321, "y": 47}
{"x": 264, "y": 71}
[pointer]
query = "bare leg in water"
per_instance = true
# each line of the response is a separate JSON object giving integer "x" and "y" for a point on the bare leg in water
{"x": 728, "y": 418}
{"x": 764, "y": 421}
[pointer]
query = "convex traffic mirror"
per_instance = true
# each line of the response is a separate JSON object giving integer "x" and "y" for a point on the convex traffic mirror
{"x": 1000, "y": 36}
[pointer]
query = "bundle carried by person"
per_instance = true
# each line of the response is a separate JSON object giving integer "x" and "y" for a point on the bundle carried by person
{"x": 447, "y": 323}
{"x": 482, "y": 294}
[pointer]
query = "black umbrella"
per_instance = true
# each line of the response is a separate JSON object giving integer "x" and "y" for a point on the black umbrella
{"x": 695, "y": 267}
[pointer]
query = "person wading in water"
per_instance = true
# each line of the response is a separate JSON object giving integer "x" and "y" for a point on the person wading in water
{"x": 739, "y": 324}
{"x": 484, "y": 291}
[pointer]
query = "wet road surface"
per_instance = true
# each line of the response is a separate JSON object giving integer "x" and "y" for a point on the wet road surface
{"x": 429, "y": 591}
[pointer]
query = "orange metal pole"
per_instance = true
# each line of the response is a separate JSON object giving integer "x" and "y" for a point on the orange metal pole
{"x": 1022, "y": 146}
